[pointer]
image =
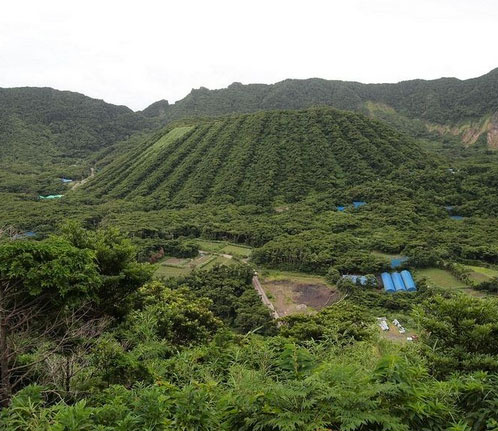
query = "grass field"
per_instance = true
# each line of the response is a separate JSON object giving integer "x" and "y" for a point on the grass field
{"x": 386, "y": 255}
{"x": 218, "y": 260}
{"x": 275, "y": 274}
{"x": 480, "y": 274}
{"x": 236, "y": 250}
{"x": 223, "y": 247}
{"x": 167, "y": 139}
{"x": 174, "y": 267}
{"x": 171, "y": 271}
{"x": 440, "y": 277}
{"x": 211, "y": 246}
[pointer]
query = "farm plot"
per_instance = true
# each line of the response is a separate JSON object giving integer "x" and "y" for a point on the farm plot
{"x": 175, "y": 267}
{"x": 480, "y": 274}
{"x": 210, "y": 246}
{"x": 236, "y": 250}
{"x": 171, "y": 271}
{"x": 218, "y": 260}
{"x": 441, "y": 278}
{"x": 213, "y": 253}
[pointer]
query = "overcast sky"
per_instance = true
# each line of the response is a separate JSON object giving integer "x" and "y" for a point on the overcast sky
{"x": 136, "y": 52}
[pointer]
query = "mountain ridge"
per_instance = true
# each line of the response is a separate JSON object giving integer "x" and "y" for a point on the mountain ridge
{"x": 40, "y": 122}
{"x": 442, "y": 101}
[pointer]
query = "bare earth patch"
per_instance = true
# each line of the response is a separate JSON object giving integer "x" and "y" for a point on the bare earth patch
{"x": 394, "y": 335}
{"x": 291, "y": 297}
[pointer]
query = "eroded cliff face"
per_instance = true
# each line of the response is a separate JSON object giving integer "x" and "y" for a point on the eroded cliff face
{"x": 470, "y": 132}
{"x": 493, "y": 132}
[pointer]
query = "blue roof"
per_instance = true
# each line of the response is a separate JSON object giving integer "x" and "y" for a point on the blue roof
{"x": 408, "y": 280}
{"x": 398, "y": 281}
{"x": 398, "y": 261}
{"x": 341, "y": 208}
{"x": 25, "y": 235}
{"x": 66, "y": 180}
{"x": 356, "y": 279}
{"x": 387, "y": 281}
{"x": 457, "y": 217}
{"x": 358, "y": 204}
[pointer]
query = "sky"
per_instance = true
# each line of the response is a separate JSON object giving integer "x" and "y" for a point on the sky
{"x": 134, "y": 53}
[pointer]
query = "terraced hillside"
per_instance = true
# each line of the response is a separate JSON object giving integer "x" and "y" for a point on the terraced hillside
{"x": 259, "y": 158}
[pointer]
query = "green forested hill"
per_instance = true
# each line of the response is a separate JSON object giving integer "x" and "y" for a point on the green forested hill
{"x": 442, "y": 100}
{"x": 260, "y": 159}
{"x": 46, "y": 125}
{"x": 446, "y": 101}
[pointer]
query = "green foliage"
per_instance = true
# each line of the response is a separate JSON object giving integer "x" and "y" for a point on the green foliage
{"x": 333, "y": 275}
{"x": 253, "y": 159}
{"x": 52, "y": 267}
{"x": 233, "y": 297}
{"x": 115, "y": 256}
{"x": 352, "y": 382}
{"x": 177, "y": 316}
{"x": 340, "y": 324}
{"x": 461, "y": 333}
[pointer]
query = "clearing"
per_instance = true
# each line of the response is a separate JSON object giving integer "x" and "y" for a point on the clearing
{"x": 394, "y": 335}
{"x": 395, "y": 260}
{"x": 292, "y": 293}
{"x": 224, "y": 247}
{"x": 480, "y": 274}
{"x": 237, "y": 250}
{"x": 440, "y": 277}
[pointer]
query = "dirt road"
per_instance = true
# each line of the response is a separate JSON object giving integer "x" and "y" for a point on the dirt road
{"x": 264, "y": 298}
{"x": 79, "y": 183}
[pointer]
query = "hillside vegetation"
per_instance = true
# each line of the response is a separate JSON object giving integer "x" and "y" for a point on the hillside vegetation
{"x": 42, "y": 122}
{"x": 260, "y": 158}
{"x": 445, "y": 101}
{"x": 129, "y": 302}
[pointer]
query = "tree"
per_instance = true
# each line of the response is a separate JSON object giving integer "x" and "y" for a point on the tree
{"x": 115, "y": 257}
{"x": 460, "y": 333}
{"x": 177, "y": 316}
{"x": 333, "y": 275}
{"x": 41, "y": 284}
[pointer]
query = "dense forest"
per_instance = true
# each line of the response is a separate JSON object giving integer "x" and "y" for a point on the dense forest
{"x": 64, "y": 124}
{"x": 107, "y": 324}
{"x": 257, "y": 158}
